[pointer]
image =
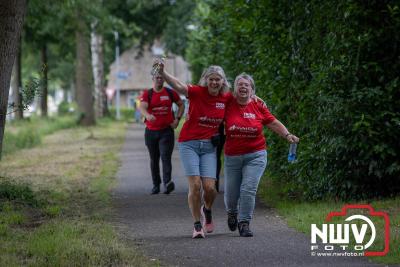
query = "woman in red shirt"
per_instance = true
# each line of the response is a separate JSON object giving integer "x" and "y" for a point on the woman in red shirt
{"x": 155, "y": 105}
{"x": 245, "y": 151}
{"x": 197, "y": 152}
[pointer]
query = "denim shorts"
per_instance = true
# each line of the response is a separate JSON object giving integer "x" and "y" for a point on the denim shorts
{"x": 198, "y": 158}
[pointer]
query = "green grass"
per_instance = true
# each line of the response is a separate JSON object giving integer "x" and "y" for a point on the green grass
{"x": 52, "y": 210}
{"x": 66, "y": 243}
{"x": 12, "y": 217}
{"x": 29, "y": 132}
{"x": 55, "y": 201}
{"x": 300, "y": 215}
{"x": 105, "y": 181}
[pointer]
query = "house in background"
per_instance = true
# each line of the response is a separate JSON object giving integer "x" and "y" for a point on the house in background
{"x": 134, "y": 73}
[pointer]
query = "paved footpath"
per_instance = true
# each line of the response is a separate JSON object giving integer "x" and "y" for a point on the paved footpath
{"x": 161, "y": 225}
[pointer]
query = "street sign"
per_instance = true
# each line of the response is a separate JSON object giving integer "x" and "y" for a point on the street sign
{"x": 123, "y": 75}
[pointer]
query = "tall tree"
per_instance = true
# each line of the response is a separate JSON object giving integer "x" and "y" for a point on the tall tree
{"x": 96, "y": 44}
{"x": 41, "y": 29}
{"x": 16, "y": 85}
{"x": 43, "y": 98}
{"x": 178, "y": 26}
{"x": 139, "y": 22}
{"x": 84, "y": 95}
{"x": 12, "y": 13}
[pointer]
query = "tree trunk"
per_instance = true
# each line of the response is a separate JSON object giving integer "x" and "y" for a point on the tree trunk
{"x": 12, "y": 13}
{"x": 16, "y": 85}
{"x": 96, "y": 41}
{"x": 83, "y": 76}
{"x": 43, "y": 96}
{"x": 65, "y": 94}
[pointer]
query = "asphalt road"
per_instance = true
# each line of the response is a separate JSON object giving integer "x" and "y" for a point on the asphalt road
{"x": 161, "y": 225}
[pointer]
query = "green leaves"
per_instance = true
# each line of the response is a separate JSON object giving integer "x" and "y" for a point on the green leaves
{"x": 328, "y": 70}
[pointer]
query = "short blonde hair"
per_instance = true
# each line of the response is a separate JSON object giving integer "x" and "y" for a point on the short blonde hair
{"x": 246, "y": 77}
{"x": 213, "y": 69}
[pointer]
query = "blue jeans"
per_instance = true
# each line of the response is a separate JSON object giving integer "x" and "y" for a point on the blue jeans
{"x": 242, "y": 175}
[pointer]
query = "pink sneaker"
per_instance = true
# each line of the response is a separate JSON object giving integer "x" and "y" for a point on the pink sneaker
{"x": 207, "y": 219}
{"x": 198, "y": 231}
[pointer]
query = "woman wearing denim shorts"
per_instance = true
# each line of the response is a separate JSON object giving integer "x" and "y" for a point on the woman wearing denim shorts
{"x": 197, "y": 152}
{"x": 245, "y": 151}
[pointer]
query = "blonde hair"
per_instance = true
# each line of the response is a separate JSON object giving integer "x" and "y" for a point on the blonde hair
{"x": 213, "y": 69}
{"x": 246, "y": 77}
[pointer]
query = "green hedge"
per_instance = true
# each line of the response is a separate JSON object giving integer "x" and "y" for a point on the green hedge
{"x": 329, "y": 70}
{"x": 127, "y": 114}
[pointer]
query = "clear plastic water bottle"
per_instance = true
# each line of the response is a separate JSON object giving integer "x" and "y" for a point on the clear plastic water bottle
{"x": 155, "y": 70}
{"x": 292, "y": 153}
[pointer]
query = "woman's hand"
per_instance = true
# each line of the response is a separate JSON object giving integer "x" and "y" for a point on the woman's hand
{"x": 291, "y": 138}
{"x": 174, "y": 124}
{"x": 150, "y": 117}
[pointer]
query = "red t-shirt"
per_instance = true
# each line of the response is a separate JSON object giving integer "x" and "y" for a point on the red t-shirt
{"x": 160, "y": 107}
{"x": 206, "y": 112}
{"x": 244, "y": 127}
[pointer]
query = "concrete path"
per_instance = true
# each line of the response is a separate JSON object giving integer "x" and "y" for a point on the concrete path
{"x": 162, "y": 226}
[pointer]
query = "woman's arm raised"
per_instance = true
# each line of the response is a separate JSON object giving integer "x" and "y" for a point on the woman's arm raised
{"x": 178, "y": 86}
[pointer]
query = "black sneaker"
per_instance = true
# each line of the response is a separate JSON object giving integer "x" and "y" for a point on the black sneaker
{"x": 232, "y": 221}
{"x": 155, "y": 190}
{"x": 169, "y": 188}
{"x": 244, "y": 229}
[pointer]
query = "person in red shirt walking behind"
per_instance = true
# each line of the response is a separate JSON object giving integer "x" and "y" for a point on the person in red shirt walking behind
{"x": 155, "y": 106}
{"x": 245, "y": 151}
{"x": 196, "y": 148}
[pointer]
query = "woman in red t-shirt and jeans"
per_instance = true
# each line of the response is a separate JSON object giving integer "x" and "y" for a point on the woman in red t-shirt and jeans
{"x": 197, "y": 153}
{"x": 245, "y": 151}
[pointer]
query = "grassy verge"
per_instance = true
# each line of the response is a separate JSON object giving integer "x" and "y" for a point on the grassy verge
{"x": 55, "y": 199}
{"x": 29, "y": 132}
{"x": 300, "y": 215}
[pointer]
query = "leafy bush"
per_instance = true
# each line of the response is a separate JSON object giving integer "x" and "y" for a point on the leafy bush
{"x": 17, "y": 192}
{"x": 329, "y": 71}
{"x": 65, "y": 108}
{"x": 127, "y": 114}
